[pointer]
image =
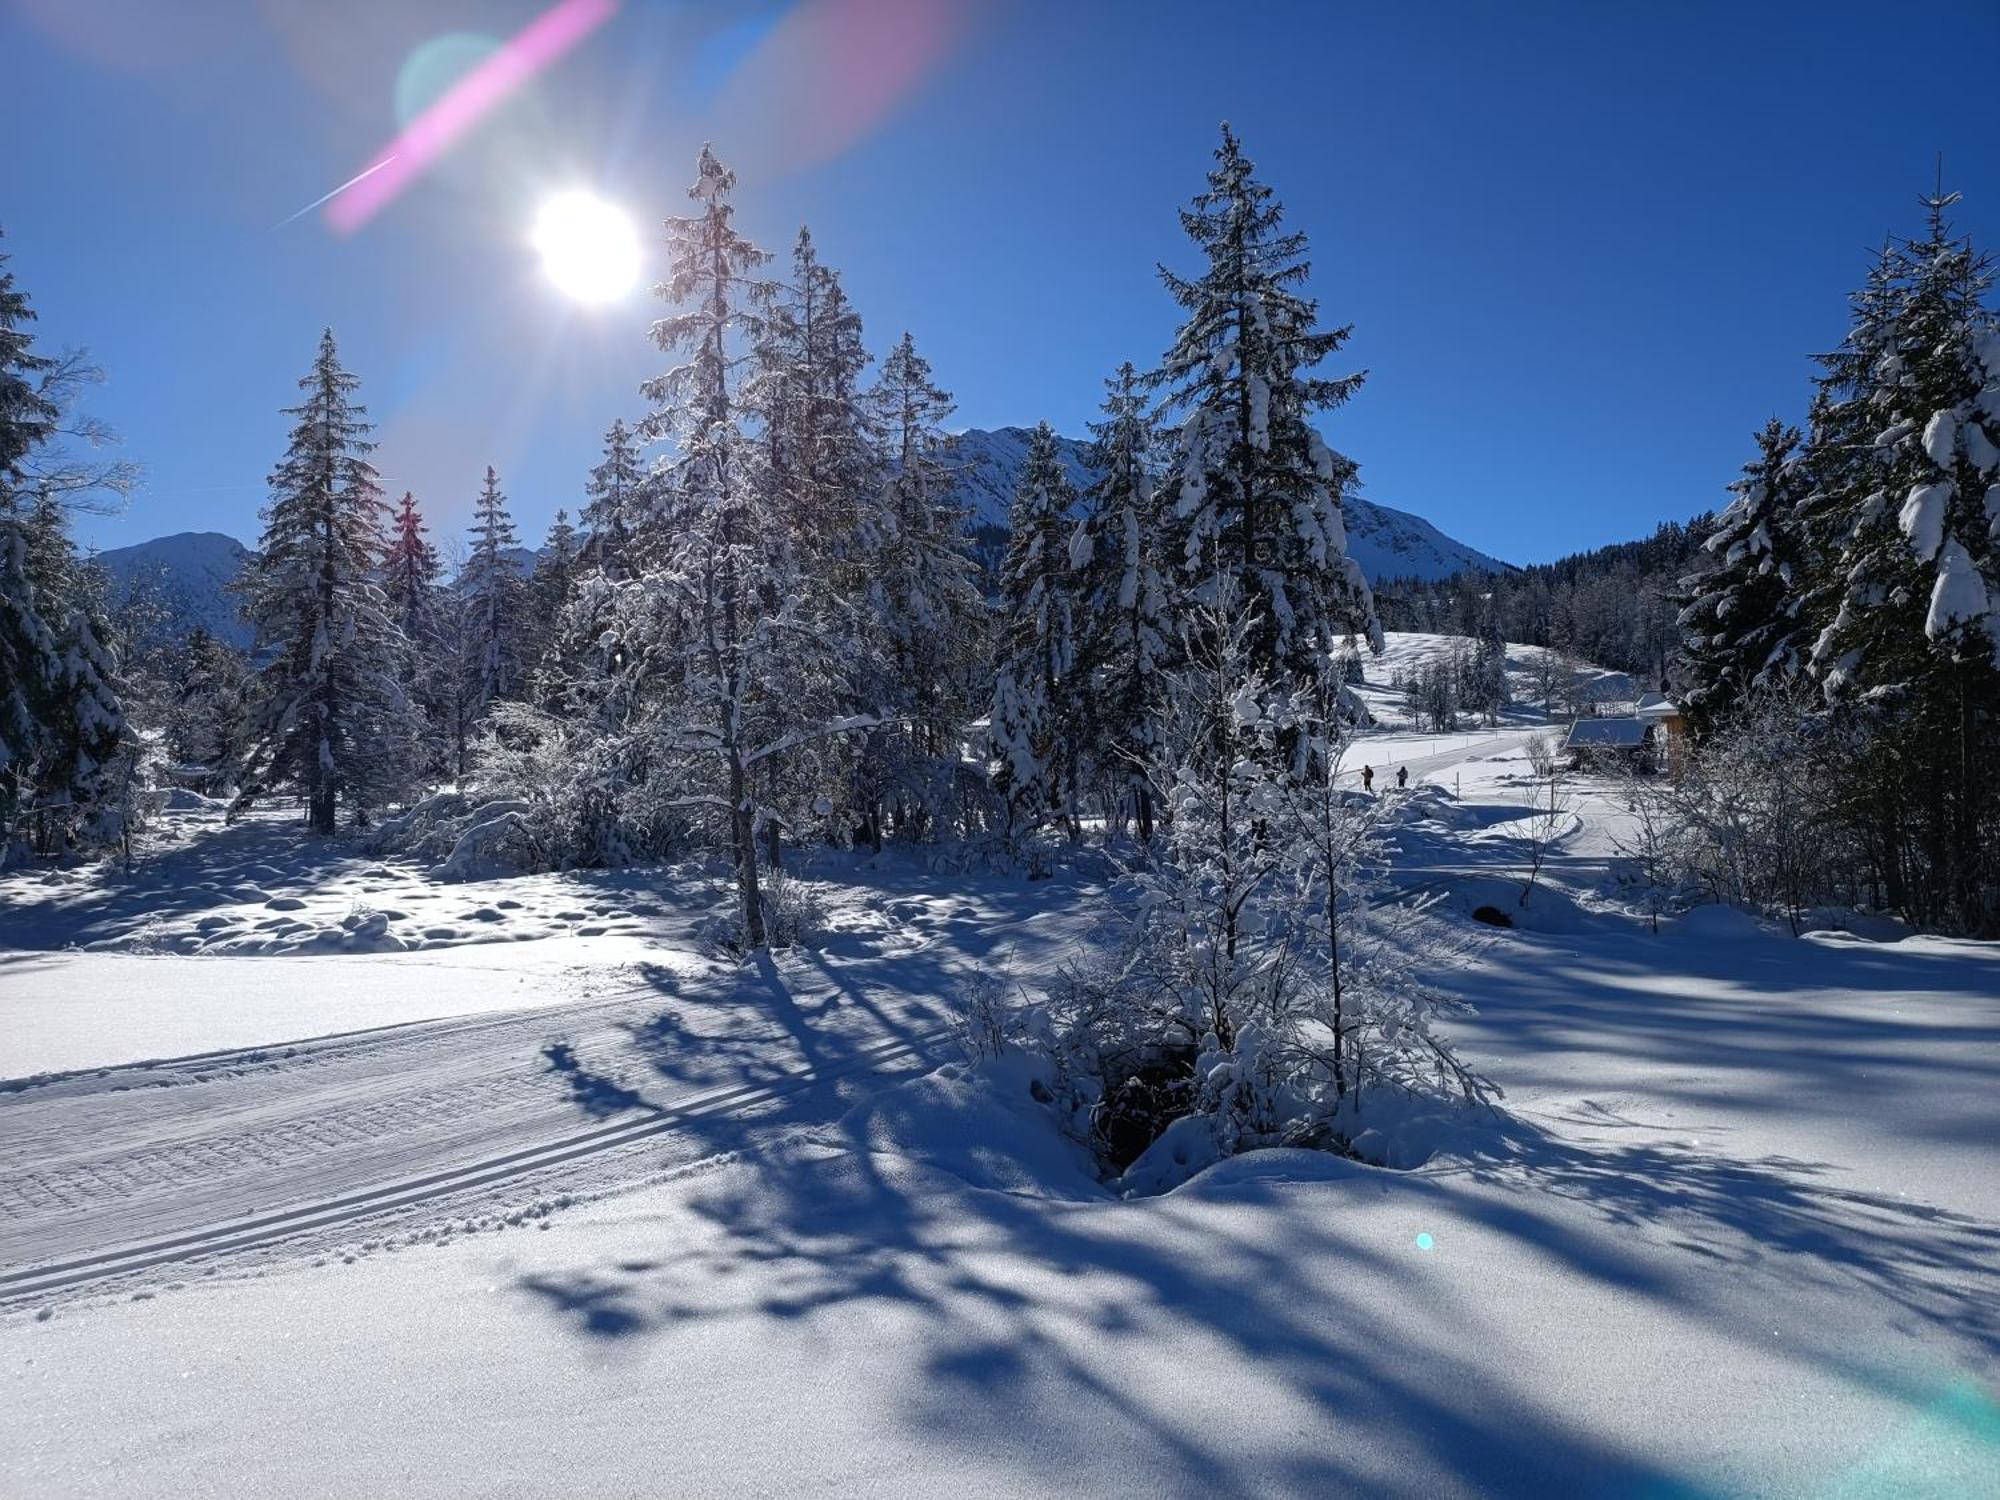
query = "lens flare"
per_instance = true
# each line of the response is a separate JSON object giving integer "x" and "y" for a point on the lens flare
{"x": 588, "y": 247}
{"x": 528, "y": 52}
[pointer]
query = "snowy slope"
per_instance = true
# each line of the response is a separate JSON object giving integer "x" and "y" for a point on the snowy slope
{"x": 194, "y": 570}
{"x": 1388, "y": 543}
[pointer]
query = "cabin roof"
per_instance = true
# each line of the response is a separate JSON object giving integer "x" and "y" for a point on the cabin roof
{"x": 1627, "y": 733}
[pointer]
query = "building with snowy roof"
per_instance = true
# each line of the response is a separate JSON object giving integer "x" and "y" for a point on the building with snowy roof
{"x": 1625, "y": 740}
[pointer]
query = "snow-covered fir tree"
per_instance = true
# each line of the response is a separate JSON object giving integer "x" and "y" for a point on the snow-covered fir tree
{"x": 1256, "y": 492}
{"x": 1910, "y": 657}
{"x": 616, "y": 492}
{"x": 818, "y": 467}
{"x": 555, "y": 570}
{"x": 818, "y": 457}
{"x": 428, "y": 617}
{"x": 923, "y": 588}
{"x": 410, "y": 569}
{"x": 64, "y": 750}
{"x": 28, "y": 655}
{"x": 1130, "y": 632}
{"x": 715, "y": 591}
{"x": 328, "y": 714}
{"x": 1742, "y": 618}
{"x": 1036, "y": 689}
{"x": 204, "y": 718}
{"x": 495, "y": 595}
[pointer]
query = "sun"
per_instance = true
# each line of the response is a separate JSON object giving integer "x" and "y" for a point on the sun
{"x": 588, "y": 246}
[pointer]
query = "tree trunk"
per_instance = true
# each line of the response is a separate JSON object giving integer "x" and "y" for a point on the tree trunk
{"x": 743, "y": 826}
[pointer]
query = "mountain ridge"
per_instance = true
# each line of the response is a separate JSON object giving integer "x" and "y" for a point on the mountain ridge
{"x": 1387, "y": 542}
{"x": 193, "y": 569}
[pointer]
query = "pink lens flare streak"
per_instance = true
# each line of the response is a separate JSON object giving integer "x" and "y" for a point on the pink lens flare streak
{"x": 528, "y": 52}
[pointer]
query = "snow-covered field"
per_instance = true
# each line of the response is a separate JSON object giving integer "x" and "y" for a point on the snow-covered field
{"x": 602, "y": 1213}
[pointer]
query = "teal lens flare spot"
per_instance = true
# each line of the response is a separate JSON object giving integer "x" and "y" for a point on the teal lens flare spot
{"x": 1424, "y": 1242}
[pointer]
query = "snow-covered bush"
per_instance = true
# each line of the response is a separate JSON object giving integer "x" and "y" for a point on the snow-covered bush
{"x": 794, "y": 914}
{"x": 1755, "y": 813}
{"x": 1543, "y": 750}
{"x": 552, "y": 793}
{"x": 1260, "y": 990}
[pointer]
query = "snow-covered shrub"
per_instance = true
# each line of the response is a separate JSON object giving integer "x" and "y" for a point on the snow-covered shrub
{"x": 552, "y": 793}
{"x": 794, "y": 914}
{"x": 1543, "y": 750}
{"x": 983, "y": 1016}
{"x": 1754, "y": 814}
{"x": 1261, "y": 991}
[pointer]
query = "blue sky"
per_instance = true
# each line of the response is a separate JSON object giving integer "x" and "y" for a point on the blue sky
{"x": 1586, "y": 248}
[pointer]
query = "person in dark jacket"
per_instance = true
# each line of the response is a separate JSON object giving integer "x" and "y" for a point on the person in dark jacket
{"x": 1402, "y": 777}
{"x": 1368, "y": 778}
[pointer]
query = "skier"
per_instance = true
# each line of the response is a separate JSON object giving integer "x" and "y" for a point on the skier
{"x": 1368, "y": 779}
{"x": 1402, "y": 777}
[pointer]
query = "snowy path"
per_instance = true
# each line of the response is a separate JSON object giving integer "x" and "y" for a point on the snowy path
{"x": 1458, "y": 750}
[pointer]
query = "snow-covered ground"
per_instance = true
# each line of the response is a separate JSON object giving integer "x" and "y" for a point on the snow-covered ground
{"x": 654, "y": 1222}
{"x": 1404, "y": 652}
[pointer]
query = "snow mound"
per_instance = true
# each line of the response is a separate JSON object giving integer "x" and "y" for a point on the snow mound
{"x": 983, "y": 1124}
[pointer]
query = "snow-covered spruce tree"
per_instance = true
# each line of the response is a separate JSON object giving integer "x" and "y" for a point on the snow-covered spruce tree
{"x": 1484, "y": 689}
{"x": 63, "y": 745}
{"x": 1129, "y": 632}
{"x": 924, "y": 592}
{"x": 410, "y": 569}
{"x": 816, "y": 450}
{"x": 1264, "y": 992}
{"x": 718, "y": 592}
{"x": 1741, "y": 621}
{"x": 28, "y": 655}
{"x": 205, "y": 711}
{"x": 616, "y": 493}
{"x": 496, "y": 598}
{"x": 327, "y": 714}
{"x": 1036, "y": 687}
{"x": 1256, "y": 492}
{"x": 425, "y": 613}
{"x": 550, "y": 584}
{"x": 28, "y": 668}
{"x": 1911, "y": 566}
{"x": 814, "y": 458}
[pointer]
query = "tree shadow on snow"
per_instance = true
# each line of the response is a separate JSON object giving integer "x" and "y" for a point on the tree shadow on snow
{"x": 1037, "y": 1317}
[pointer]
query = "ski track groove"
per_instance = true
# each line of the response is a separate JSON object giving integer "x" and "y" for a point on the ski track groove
{"x": 145, "y": 1173}
{"x": 35, "y": 1281}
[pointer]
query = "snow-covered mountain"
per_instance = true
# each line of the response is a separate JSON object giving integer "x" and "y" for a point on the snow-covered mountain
{"x": 1388, "y": 543}
{"x": 192, "y": 571}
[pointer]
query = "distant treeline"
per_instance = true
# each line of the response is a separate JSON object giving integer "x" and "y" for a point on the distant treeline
{"x": 1614, "y": 605}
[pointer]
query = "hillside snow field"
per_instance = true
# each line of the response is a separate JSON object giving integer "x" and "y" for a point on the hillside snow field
{"x": 297, "y": 1214}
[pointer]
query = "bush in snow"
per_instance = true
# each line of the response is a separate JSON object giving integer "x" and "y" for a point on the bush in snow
{"x": 1753, "y": 818}
{"x": 1261, "y": 991}
{"x": 555, "y": 792}
{"x": 1543, "y": 750}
